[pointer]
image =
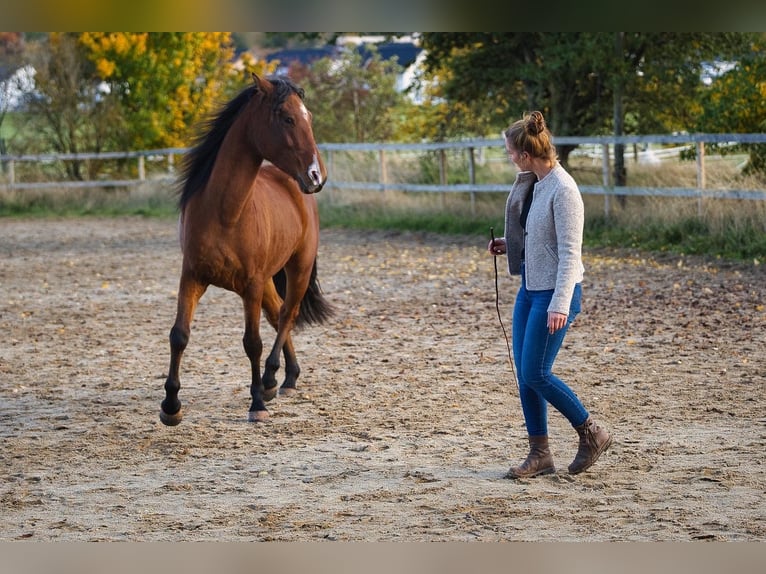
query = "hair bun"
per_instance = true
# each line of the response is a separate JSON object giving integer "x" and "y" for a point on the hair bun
{"x": 535, "y": 123}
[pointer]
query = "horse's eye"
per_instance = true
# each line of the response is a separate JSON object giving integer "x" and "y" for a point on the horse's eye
{"x": 289, "y": 120}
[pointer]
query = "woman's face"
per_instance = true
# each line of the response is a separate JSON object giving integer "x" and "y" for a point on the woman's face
{"x": 517, "y": 157}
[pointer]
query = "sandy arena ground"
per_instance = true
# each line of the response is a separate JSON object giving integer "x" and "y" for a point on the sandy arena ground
{"x": 407, "y": 416}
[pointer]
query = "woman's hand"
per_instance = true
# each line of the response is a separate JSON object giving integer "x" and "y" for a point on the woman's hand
{"x": 496, "y": 246}
{"x": 556, "y": 321}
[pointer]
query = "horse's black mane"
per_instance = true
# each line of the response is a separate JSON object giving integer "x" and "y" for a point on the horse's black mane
{"x": 198, "y": 163}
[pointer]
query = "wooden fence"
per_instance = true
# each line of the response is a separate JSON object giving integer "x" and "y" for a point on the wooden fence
{"x": 10, "y": 181}
{"x": 593, "y": 146}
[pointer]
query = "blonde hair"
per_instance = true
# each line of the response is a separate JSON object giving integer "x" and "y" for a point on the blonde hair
{"x": 531, "y": 134}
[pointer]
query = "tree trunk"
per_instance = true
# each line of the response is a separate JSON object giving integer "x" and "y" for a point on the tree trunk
{"x": 620, "y": 175}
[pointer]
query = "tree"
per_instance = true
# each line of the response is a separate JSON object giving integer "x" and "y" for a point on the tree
{"x": 502, "y": 75}
{"x": 437, "y": 117}
{"x": 164, "y": 82}
{"x": 115, "y": 91}
{"x": 11, "y": 52}
{"x": 352, "y": 100}
{"x": 573, "y": 76}
{"x": 735, "y": 100}
{"x": 68, "y": 113}
{"x": 659, "y": 76}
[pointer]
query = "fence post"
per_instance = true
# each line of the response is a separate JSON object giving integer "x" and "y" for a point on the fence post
{"x": 700, "y": 174}
{"x": 11, "y": 173}
{"x": 329, "y": 167}
{"x": 442, "y": 174}
{"x": 383, "y": 171}
{"x": 141, "y": 168}
{"x": 472, "y": 178}
{"x": 605, "y": 178}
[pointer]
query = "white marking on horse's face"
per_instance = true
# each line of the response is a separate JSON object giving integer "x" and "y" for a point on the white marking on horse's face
{"x": 305, "y": 112}
{"x": 315, "y": 172}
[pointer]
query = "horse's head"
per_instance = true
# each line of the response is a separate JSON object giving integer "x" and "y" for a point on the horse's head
{"x": 286, "y": 138}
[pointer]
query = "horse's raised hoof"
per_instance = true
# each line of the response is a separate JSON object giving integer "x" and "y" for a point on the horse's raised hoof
{"x": 288, "y": 392}
{"x": 258, "y": 416}
{"x": 170, "y": 420}
{"x": 270, "y": 393}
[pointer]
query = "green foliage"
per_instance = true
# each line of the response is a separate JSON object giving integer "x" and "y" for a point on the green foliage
{"x": 429, "y": 169}
{"x": 694, "y": 236}
{"x": 572, "y": 76}
{"x": 352, "y": 102}
{"x": 163, "y": 82}
{"x": 735, "y": 102}
{"x": 103, "y": 91}
{"x": 67, "y": 113}
{"x": 11, "y": 59}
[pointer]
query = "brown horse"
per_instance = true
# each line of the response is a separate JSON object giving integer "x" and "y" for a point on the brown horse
{"x": 252, "y": 229}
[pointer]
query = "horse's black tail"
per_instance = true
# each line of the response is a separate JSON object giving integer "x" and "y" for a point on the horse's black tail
{"x": 315, "y": 309}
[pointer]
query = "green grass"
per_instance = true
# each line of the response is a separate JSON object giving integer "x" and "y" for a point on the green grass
{"x": 688, "y": 236}
{"x": 734, "y": 230}
{"x": 448, "y": 223}
{"x": 145, "y": 201}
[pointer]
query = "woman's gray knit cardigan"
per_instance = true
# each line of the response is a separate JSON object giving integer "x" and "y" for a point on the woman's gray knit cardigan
{"x": 553, "y": 240}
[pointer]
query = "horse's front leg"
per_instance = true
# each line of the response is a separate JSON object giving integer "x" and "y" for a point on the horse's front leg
{"x": 254, "y": 348}
{"x": 189, "y": 294}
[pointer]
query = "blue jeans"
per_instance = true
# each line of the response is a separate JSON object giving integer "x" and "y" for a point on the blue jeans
{"x": 534, "y": 350}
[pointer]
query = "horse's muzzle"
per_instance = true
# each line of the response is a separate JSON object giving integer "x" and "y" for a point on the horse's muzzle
{"x": 314, "y": 186}
{"x": 319, "y": 187}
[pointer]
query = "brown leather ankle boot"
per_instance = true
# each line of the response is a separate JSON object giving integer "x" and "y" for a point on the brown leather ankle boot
{"x": 593, "y": 441}
{"x": 538, "y": 461}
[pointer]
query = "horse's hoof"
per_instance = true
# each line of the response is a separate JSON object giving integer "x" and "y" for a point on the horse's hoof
{"x": 170, "y": 420}
{"x": 270, "y": 393}
{"x": 258, "y": 416}
{"x": 288, "y": 392}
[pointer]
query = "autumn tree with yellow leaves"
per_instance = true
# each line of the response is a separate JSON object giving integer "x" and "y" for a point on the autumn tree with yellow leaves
{"x": 165, "y": 82}
{"x": 100, "y": 91}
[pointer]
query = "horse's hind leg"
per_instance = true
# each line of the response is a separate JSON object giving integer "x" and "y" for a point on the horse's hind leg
{"x": 189, "y": 293}
{"x": 271, "y": 305}
{"x": 288, "y": 313}
{"x": 292, "y": 370}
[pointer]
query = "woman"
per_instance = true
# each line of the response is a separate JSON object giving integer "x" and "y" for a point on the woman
{"x": 544, "y": 219}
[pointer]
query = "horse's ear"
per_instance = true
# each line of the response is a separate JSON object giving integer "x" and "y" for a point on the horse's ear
{"x": 259, "y": 83}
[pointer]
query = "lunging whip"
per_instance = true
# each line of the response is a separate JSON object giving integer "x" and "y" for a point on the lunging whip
{"x": 497, "y": 308}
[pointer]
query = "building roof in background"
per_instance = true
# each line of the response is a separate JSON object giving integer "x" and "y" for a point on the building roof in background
{"x": 304, "y": 56}
{"x": 404, "y": 52}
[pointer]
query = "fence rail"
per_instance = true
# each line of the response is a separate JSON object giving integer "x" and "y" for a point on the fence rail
{"x": 585, "y": 145}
